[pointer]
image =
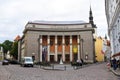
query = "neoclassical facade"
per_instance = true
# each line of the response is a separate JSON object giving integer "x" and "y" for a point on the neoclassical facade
{"x": 52, "y": 41}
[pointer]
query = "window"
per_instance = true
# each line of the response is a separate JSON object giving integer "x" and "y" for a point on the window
{"x": 118, "y": 27}
{"x": 59, "y": 42}
{"x": 119, "y": 39}
{"x": 116, "y": 1}
{"x": 51, "y": 42}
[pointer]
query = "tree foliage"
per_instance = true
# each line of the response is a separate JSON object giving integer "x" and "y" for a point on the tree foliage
{"x": 14, "y": 51}
{"x": 7, "y": 46}
{"x": 10, "y": 46}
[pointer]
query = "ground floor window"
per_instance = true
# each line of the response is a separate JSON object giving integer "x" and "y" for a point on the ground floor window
{"x": 67, "y": 57}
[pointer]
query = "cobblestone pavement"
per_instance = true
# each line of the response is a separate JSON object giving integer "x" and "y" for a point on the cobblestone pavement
{"x": 93, "y": 72}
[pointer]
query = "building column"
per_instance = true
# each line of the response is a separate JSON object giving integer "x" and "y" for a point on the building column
{"x": 78, "y": 41}
{"x": 81, "y": 45}
{"x": 41, "y": 48}
{"x": 48, "y": 49}
{"x": 71, "y": 48}
{"x": 63, "y": 47}
{"x": 56, "y": 48}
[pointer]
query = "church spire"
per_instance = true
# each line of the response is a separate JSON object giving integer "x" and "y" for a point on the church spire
{"x": 91, "y": 16}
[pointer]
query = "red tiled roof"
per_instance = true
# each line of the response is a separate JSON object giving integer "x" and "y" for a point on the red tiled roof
{"x": 17, "y": 38}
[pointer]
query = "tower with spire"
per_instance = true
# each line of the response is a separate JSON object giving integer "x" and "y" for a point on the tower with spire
{"x": 92, "y": 22}
{"x": 91, "y": 18}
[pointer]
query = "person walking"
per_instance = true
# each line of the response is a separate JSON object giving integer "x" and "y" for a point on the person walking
{"x": 114, "y": 62}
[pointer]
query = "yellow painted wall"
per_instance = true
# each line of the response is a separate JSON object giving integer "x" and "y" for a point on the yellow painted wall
{"x": 98, "y": 48}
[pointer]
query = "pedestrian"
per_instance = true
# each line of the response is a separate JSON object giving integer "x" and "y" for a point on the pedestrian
{"x": 114, "y": 62}
{"x": 118, "y": 63}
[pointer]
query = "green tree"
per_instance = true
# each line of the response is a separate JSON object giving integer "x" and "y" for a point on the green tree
{"x": 14, "y": 51}
{"x": 1, "y": 45}
{"x": 7, "y": 46}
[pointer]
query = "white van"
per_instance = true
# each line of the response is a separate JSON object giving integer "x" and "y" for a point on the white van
{"x": 27, "y": 61}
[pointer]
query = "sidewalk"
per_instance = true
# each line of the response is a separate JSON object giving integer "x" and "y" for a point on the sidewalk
{"x": 116, "y": 72}
{"x": 59, "y": 67}
{"x": 64, "y": 67}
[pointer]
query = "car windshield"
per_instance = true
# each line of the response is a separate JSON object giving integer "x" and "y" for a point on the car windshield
{"x": 29, "y": 60}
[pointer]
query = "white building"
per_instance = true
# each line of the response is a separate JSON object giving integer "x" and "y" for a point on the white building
{"x": 1, "y": 53}
{"x": 112, "y": 8}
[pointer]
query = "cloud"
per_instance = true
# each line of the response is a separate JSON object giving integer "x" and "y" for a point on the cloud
{"x": 16, "y": 13}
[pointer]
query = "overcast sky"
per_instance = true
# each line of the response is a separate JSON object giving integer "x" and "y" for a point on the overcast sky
{"x": 14, "y": 14}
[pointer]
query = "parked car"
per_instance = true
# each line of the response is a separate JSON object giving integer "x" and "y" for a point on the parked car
{"x": 27, "y": 61}
{"x": 13, "y": 62}
{"x": 5, "y": 62}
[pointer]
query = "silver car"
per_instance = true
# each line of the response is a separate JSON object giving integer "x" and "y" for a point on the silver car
{"x": 27, "y": 61}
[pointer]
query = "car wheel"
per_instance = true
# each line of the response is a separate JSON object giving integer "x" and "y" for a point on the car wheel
{"x": 32, "y": 65}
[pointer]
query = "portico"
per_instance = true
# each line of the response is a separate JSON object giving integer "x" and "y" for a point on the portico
{"x": 67, "y": 47}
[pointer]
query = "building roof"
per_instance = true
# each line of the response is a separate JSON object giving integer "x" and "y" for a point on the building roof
{"x": 58, "y": 26}
{"x": 17, "y": 38}
{"x": 57, "y": 22}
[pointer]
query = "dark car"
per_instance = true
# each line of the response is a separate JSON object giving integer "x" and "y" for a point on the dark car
{"x": 13, "y": 62}
{"x": 5, "y": 62}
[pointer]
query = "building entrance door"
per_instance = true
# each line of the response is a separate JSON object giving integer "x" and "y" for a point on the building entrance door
{"x": 75, "y": 57}
{"x": 52, "y": 58}
{"x": 44, "y": 53}
{"x": 59, "y": 57}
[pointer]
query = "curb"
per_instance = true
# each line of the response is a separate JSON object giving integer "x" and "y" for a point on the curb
{"x": 113, "y": 71}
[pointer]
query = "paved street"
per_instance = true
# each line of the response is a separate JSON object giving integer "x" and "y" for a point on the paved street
{"x": 93, "y": 72}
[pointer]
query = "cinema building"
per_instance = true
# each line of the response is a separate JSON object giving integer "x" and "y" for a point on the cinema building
{"x": 54, "y": 40}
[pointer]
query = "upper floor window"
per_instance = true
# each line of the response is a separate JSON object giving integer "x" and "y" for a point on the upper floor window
{"x": 116, "y": 1}
{"x": 118, "y": 26}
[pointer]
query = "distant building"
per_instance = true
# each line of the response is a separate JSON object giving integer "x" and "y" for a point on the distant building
{"x": 102, "y": 49}
{"x": 17, "y": 38}
{"x": 108, "y": 51}
{"x": 112, "y": 8}
{"x": 98, "y": 49}
{"x": 1, "y": 53}
{"x": 52, "y": 41}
